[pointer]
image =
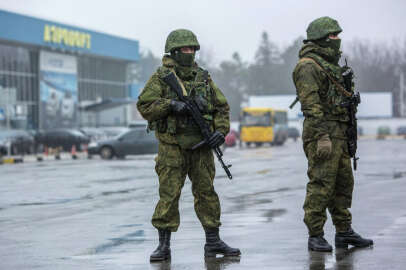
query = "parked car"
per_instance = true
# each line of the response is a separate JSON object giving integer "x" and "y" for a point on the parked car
{"x": 132, "y": 142}
{"x": 64, "y": 138}
{"x": 401, "y": 130}
{"x": 21, "y": 142}
{"x": 383, "y": 131}
{"x": 94, "y": 134}
{"x": 231, "y": 138}
{"x": 36, "y": 134}
{"x": 3, "y": 150}
{"x": 360, "y": 131}
{"x": 293, "y": 133}
{"x": 112, "y": 132}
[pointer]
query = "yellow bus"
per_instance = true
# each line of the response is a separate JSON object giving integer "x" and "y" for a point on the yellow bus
{"x": 260, "y": 125}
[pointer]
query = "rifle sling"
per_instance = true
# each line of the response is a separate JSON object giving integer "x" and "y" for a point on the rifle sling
{"x": 180, "y": 83}
{"x": 339, "y": 86}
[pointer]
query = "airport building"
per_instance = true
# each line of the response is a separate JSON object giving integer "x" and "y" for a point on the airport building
{"x": 54, "y": 75}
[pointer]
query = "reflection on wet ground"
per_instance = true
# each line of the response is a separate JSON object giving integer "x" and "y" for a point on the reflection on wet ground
{"x": 273, "y": 213}
{"x": 94, "y": 214}
{"x": 342, "y": 259}
{"x": 219, "y": 263}
{"x": 137, "y": 237}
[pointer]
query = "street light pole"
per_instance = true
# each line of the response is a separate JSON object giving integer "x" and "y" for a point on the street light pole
{"x": 401, "y": 93}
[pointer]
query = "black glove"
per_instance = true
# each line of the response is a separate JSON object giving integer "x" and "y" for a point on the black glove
{"x": 216, "y": 139}
{"x": 179, "y": 107}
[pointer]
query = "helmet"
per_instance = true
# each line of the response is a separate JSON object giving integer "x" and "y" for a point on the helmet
{"x": 181, "y": 38}
{"x": 322, "y": 27}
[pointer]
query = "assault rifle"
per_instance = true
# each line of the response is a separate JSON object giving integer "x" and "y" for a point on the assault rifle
{"x": 197, "y": 116}
{"x": 351, "y": 104}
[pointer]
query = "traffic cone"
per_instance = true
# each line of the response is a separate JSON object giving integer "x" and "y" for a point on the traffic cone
{"x": 73, "y": 152}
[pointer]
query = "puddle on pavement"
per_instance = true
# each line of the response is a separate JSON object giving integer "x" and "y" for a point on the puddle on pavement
{"x": 382, "y": 175}
{"x": 129, "y": 225}
{"x": 123, "y": 168}
{"x": 273, "y": 213}
{"x": 57, "y": 201}
{"x": 399, "y": 174}
{"x": 256, "y": 194}
{"x": 116, "y": 180}
{"x": 124, "y": 191}
{"x": 245, "y": 203}
{"x": 137, "y": 237}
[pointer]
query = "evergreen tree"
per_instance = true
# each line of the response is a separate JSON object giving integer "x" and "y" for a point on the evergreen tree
{"x": 145, "y": 67}
{"x": 230, "y": 77}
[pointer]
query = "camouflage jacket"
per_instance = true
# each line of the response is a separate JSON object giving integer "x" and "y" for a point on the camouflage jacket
{"x": 320, "y": 98}
{"x": 153, "y": 104}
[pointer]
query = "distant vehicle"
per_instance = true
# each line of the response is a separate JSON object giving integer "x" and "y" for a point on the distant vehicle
{"x": 263, "y": 125}
{"x": 3, "y": 150}
{"x": 360, "y": 131}
{"x": 36, "y": 134}
{"x": 231, "y": 138}
{"x": 383, "y": 132}
{"x": 20, "y": 141}
{"x": 112, "y": 132}
{"x": 293, "y": 133}
{"x": 65, "y": 138}
{"x": 132, "y": 142}
{"x": 94, "y": 134}
{"x": 401, "y": 130}
{"x": 138, "y": 124}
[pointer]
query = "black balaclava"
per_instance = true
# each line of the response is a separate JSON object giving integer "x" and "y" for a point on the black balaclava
{"x": 183, "y": 59}
{"x": 333, "y": 44}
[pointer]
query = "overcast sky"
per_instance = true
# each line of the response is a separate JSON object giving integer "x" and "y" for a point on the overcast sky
{"x": 222, "y": 27}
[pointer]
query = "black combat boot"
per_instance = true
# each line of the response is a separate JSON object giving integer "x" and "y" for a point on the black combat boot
{"x": 343, "y": 239}
{"x": 163, "y": 251}
{"x": 214, "y": 245}
{"x": 318, "y": 243}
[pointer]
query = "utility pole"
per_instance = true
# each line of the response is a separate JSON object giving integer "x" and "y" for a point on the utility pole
{"x": 401, "y": 94}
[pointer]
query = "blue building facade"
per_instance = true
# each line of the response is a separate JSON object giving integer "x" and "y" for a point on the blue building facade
{"x": 52, "y": 68}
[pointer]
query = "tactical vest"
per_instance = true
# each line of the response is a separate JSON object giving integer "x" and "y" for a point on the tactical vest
{"x": 182, "y": 130}
{"x": 334, "y": 95}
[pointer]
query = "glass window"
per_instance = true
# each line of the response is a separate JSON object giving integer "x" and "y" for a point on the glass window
{"x": 280, "y": 118}
{"x": 105, "y": 78}
{"x": 256, "y": 120}
{"x": 18, "y": 70}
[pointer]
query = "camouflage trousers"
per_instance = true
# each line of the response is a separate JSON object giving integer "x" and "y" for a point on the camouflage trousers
{"x": 173, "y": 164}
{"x": 330, "y": 185}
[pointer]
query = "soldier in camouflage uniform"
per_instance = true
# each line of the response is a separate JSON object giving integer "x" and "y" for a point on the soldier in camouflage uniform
{"x": 177, "y": 134}
{"x": 317, "y": 77}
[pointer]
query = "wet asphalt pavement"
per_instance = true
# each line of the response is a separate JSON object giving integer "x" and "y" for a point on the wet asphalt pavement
{"x": 94, "y": 214}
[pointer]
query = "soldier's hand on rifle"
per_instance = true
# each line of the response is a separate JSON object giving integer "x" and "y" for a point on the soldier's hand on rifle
{"x": 324, "y": 147}
{"x": 179, "y": 107}
{"x": 216, "y": 139}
